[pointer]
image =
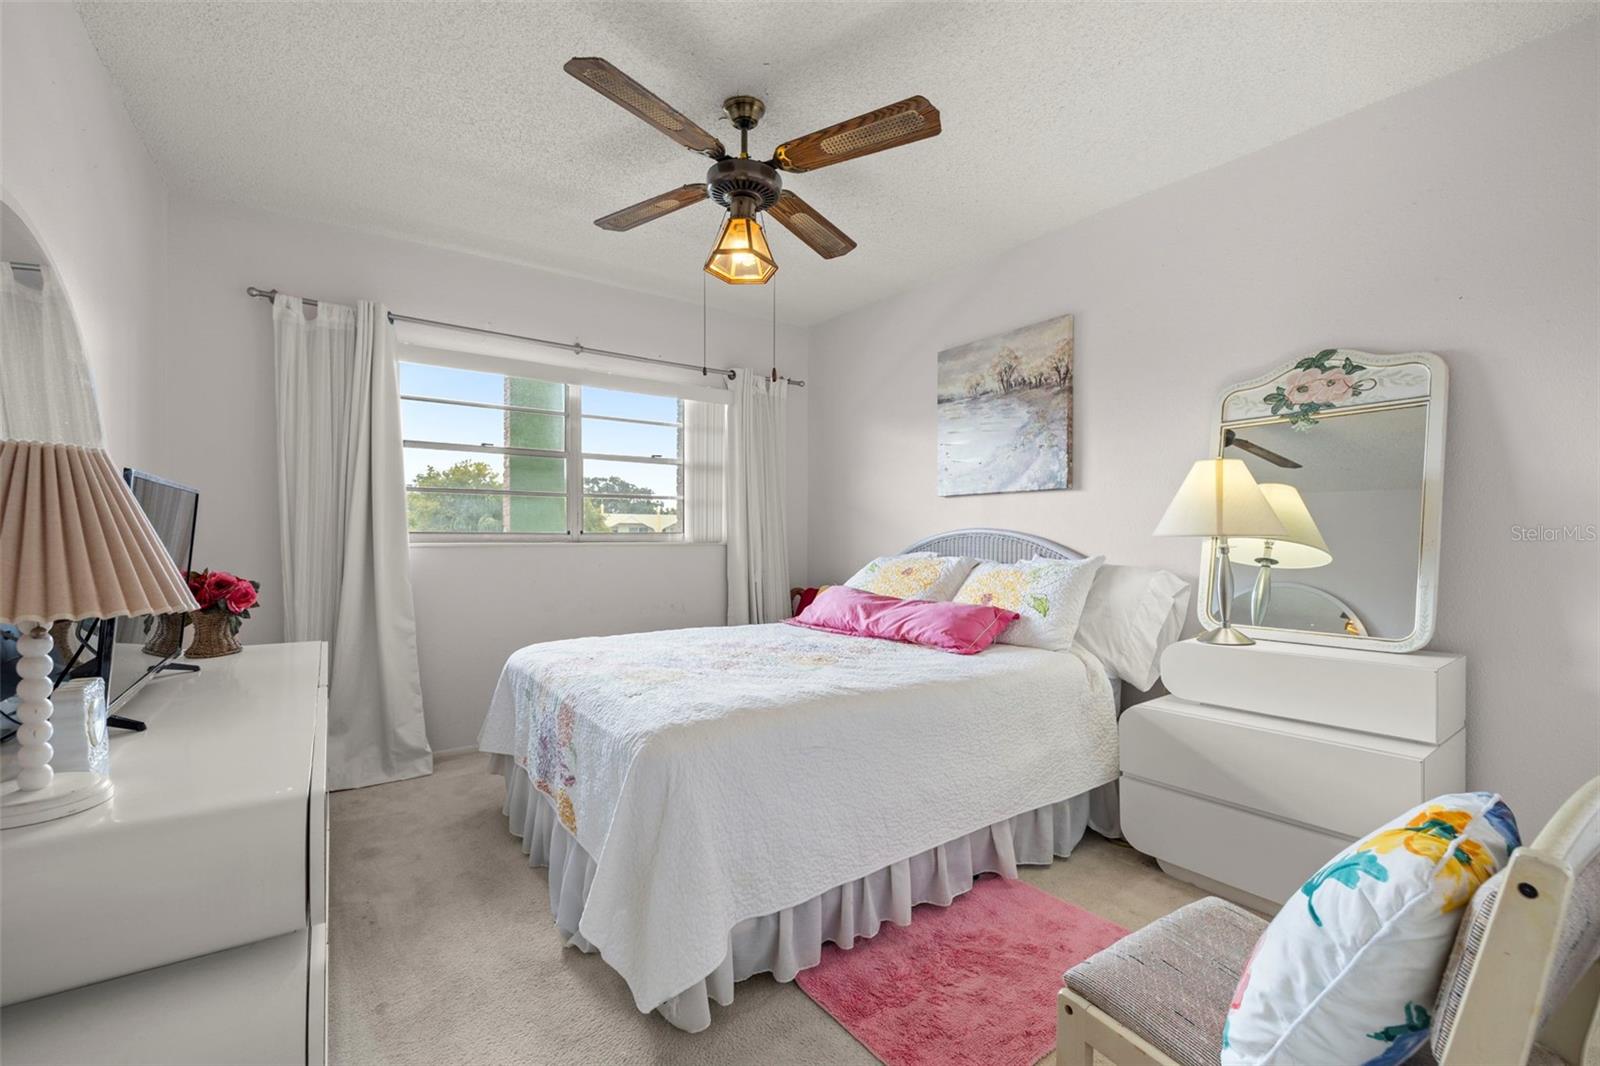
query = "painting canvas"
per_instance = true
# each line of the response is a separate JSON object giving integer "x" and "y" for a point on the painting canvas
{"x": 1005, "y": 412}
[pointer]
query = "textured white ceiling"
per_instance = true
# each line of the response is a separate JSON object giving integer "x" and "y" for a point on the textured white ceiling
{"x": 455, "y": 125}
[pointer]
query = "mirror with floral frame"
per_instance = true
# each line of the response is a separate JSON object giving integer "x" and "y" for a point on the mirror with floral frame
{"x": 1350, "y": 447}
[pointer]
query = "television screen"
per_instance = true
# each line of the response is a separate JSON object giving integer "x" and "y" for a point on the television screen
{"x": 171, "y": 509}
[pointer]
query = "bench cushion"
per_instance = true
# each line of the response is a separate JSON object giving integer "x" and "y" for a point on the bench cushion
{"x": 1171, "y": 981}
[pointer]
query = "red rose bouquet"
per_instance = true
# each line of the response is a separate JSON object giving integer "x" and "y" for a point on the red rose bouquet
{"x": 225, "y": 594}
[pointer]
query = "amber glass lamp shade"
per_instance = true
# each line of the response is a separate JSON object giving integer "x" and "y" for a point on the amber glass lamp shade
{"x": 741, "y": 255}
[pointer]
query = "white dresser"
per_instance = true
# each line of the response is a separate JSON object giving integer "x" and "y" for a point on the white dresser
{"x": 1266, "y": 760}
{"x": 185, "y": 921}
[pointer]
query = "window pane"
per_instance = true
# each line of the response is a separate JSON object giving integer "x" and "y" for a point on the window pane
{"x": 629, "y": 404}
{"x": 440, "y": 512}
{"x": 630, "y": 438}
{"x": 418, "y": 379}
{"x": 453, "y": 425}
{"x": 448, "y": 512}
{"x": 449, "y": 424}
{"x": 524, "y": 429}
{"x": 526, "y": 392}
{"x": 536, "y": 473}
{"x": 538, "y": 514}
{"x": 630, "y": 516}
{"x": 437, "y": 468}
{"x": 630, "y": 479}
{"x": 448, "y": 383}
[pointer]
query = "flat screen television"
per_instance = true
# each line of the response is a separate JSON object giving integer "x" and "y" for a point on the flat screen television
{"x": 115, "y": 648}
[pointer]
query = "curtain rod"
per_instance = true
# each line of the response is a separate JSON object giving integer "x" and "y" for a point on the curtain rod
{"x": 575, "y": 347}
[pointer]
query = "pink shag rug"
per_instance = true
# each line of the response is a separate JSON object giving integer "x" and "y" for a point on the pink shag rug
{"x": 971, "y": 984}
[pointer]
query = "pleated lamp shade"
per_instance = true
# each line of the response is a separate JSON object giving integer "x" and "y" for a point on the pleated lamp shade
{"x": 74, "y": 543}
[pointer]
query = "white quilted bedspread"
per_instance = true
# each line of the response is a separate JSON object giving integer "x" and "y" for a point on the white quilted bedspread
{"x": 720, "y": 774}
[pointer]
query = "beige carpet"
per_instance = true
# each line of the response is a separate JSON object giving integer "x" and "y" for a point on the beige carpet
{"x": 442, "y": 949}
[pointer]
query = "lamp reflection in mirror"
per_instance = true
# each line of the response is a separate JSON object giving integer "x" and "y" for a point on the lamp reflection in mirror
{"x": 1301, "y": 547}
{"x": 1220, "y": 499}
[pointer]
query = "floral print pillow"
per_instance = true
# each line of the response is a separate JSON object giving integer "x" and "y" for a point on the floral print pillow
{"x": 918, "y": 576}
{"x": 1346, "y": 971}
{"x": 1047, "y": 594}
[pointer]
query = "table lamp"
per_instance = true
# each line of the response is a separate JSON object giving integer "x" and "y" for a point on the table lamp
{"x": 74, "y": 543}
{"x": 1300, "y": 548}
{"x": 1219, "y": 499}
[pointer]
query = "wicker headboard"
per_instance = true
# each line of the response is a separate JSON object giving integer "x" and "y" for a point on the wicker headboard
{"x": 994, "y": 545}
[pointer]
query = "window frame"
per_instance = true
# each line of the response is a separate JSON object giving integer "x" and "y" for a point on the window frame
{"x": 572, "y": 453}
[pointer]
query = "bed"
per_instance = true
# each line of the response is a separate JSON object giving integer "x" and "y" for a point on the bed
{"x": 716, "y": 803}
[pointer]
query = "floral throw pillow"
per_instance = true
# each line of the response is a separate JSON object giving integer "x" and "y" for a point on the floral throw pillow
{"x": 1047, "y": 594}
{"x": 918, "y": 576}
{"x": 1348, "y": 969}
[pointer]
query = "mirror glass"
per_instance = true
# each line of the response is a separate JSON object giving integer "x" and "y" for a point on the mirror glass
{"x": 1346, "y": 448}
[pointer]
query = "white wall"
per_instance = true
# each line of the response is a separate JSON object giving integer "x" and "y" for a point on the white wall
{"x": 475, "y": 604}
{"x": 73, "y": 167}
{"x": 1459, "y": 218}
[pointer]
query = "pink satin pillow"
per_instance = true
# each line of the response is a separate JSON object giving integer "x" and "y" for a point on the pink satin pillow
{"x": 963, "y": 628}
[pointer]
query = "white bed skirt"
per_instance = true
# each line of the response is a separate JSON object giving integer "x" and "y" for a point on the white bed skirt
{"x": 791, "y": 940}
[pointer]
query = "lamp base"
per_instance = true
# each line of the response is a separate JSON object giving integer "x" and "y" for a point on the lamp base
{"x": 1227, "y": 636}
{"x": 66, "y": 794}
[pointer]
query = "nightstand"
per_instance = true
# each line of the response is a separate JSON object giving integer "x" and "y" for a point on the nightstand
{"x": 1267, "y": 760}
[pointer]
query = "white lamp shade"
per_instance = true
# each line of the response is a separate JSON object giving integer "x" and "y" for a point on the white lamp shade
{"x": 74, "y": 543}
{"x": 1300, "y": 548}
{"x": 1220, "y": 498}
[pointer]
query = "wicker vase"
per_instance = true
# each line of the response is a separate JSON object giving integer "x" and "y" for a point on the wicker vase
{"x": 213, "y": 636}
{"x": 166, "y": 636}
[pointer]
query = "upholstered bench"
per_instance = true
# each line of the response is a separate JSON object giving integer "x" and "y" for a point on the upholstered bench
{"x": 1524, "y": 966}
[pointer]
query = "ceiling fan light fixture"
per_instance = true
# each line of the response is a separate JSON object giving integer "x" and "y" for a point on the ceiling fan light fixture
{"x": 741, "y": 255}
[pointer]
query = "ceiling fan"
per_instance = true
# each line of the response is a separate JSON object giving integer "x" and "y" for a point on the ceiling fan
{"x": 1230, "y": 439}
{"x": 745, "y": 186}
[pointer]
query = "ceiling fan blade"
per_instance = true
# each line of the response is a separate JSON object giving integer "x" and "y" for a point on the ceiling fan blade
{"x": 802, "y": 220}
{"x": 617, "y": 87}
{"x": 650, "y": 210}
{"x": 1230, "y": 439}
{"x": 888, "y": 127}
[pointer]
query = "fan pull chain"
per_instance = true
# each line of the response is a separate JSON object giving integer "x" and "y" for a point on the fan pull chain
{"x": 774, "y": 284}
{"x": 703, "y": 298}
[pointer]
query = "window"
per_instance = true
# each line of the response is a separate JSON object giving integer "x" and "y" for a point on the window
{"x": 494, "y": 454}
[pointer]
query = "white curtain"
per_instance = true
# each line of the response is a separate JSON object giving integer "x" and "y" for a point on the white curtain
{"x": 758, "y": 545}
{"x": 46, "y": 390}
{"x": 704, "y": 471}
{"x": 342, "y": 519}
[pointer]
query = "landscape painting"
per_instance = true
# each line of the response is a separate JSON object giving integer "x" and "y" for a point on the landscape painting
{"x": 1005, "y": 412}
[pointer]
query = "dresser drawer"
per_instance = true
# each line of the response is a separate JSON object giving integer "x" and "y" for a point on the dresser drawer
{"x": 1260, "y": 855}
{"x": 1331, "y": 779}
{"x": 1421, "y": 696}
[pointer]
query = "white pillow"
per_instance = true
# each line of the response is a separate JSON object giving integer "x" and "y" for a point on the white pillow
{"x": 1132, "y": 614}
{"x": 917, "y": 576}
{"x": 1348, "y": 970}
{"x": 1047, "y": 594}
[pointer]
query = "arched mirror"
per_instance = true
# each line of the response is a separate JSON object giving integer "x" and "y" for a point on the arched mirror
{"x": 1349, "y": 450}
{"x": 46, "y": 391}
